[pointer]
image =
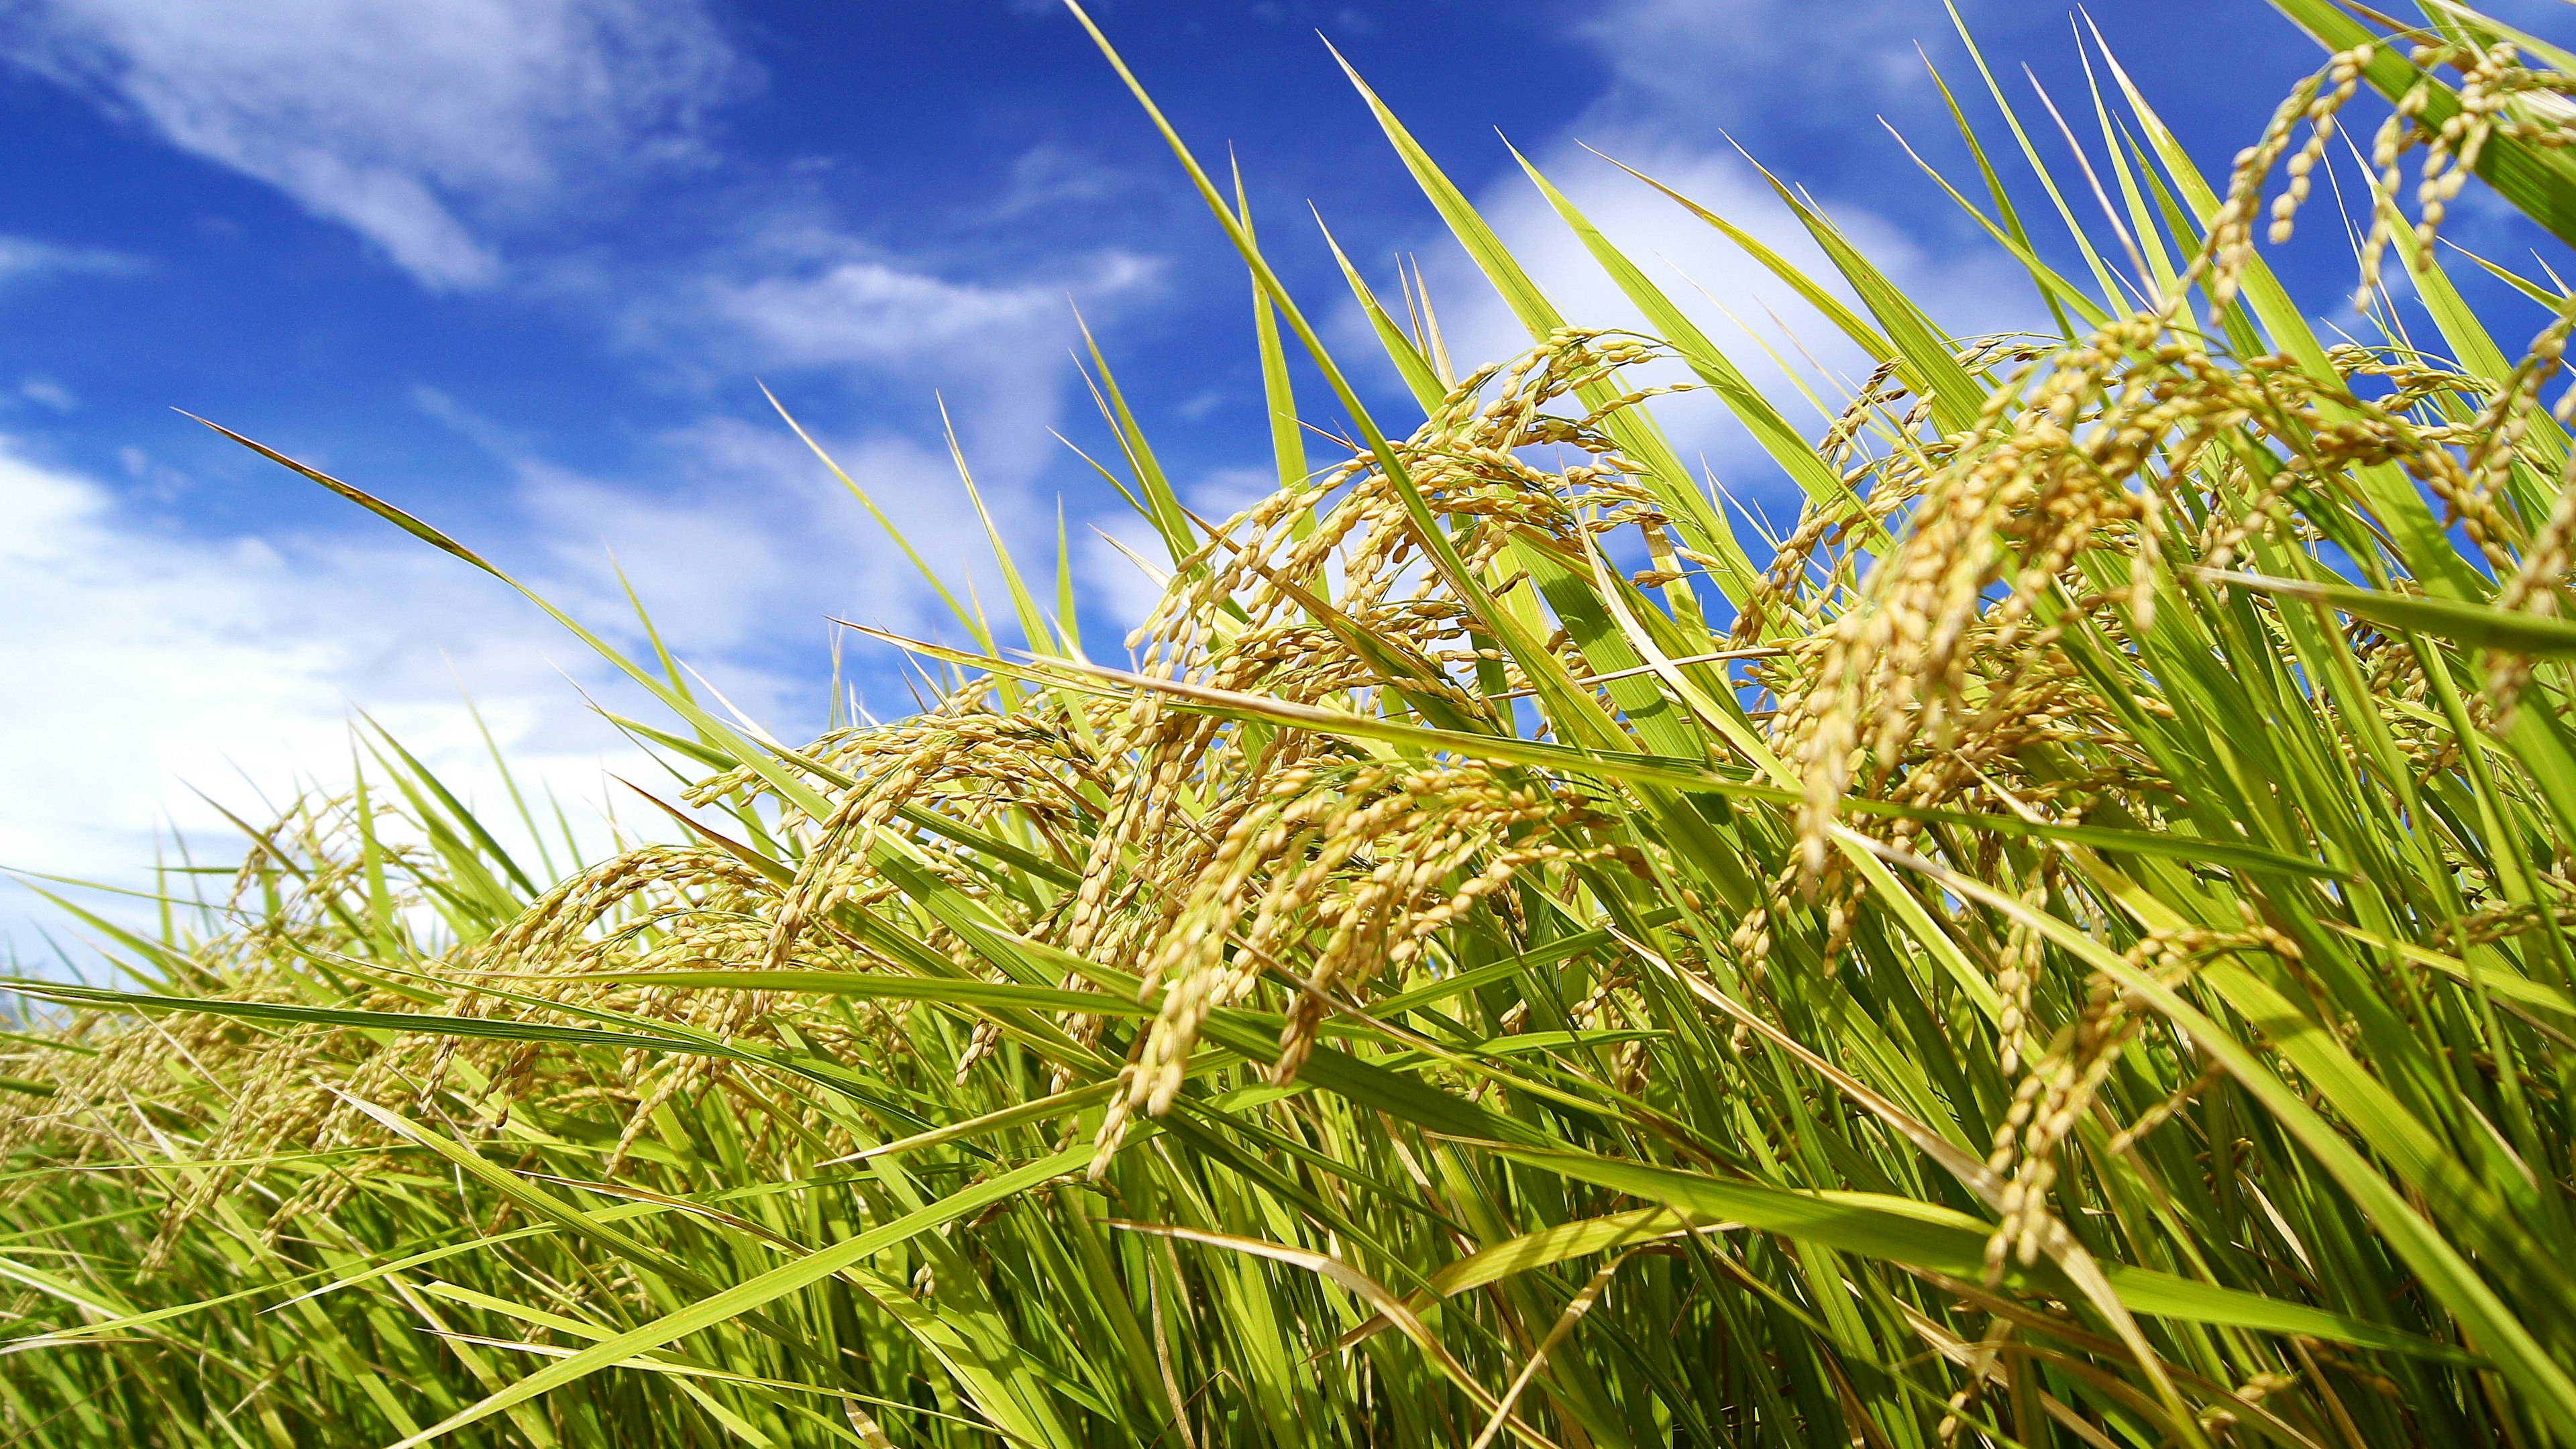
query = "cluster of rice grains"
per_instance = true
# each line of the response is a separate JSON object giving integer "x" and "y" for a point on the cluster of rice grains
{"x": 1347, "y": 866}
{"x": 1989, "y": 659}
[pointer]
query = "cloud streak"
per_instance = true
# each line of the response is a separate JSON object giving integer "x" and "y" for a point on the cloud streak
{"x": 26, "y": 259}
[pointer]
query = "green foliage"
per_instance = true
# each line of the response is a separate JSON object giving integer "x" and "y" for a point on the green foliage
{"x": 2070, "y": 950}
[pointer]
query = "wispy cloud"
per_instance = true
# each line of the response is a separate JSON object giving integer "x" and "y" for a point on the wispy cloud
{"x": 417, "y": 125}
{"x": 1692, "y": 68}
{"x": 45, "y": 392}
{"x": 870, "y": 312}
{"x": 831, "y": 318}
{"x": 819, "y": 299}
{"x": 25, "y": 258}
{"x": 1052, "y": 174}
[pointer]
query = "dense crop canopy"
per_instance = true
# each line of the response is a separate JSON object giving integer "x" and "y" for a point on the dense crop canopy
{"x": 2065, "y": 944}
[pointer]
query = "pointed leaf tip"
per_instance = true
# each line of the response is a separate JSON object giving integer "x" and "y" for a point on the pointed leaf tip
{"x": 368, "y": 501}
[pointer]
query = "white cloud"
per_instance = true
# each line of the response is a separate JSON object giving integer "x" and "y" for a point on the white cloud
{"x": 24, "y": 258}
{"x": 414, "y": 124}
{"x": 803, "y": 304}
{"x": 45, "y": 392}
{"x": 1052, "y": 174}
{"x": 847, "y": 306}
{"x": 1693, "y": 67}
{"x": 870, "y": 312}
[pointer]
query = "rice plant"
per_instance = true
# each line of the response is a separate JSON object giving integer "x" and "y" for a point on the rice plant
{"x": 2065, "y": 946}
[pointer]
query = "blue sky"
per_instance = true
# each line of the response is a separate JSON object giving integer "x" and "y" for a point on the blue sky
{"x": 516, "y": 265}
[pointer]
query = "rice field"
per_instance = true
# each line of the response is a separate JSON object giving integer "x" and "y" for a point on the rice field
{"x": 2065, "y": 945}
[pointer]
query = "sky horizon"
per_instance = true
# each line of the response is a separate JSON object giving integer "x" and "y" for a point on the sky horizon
{"x": 523, "y": 267}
